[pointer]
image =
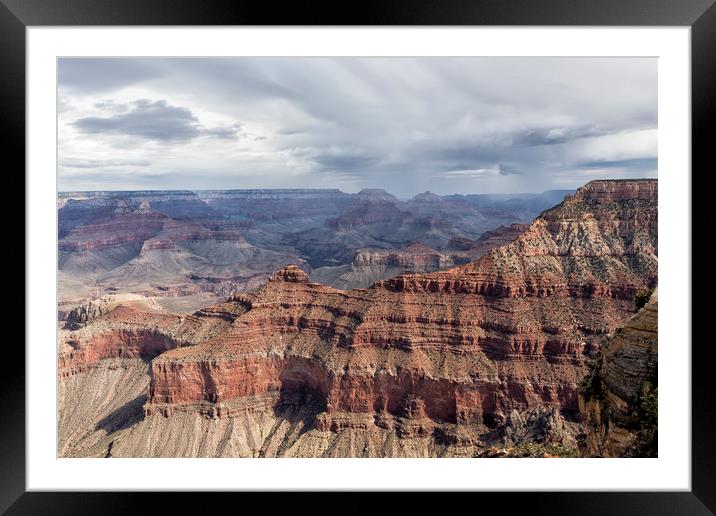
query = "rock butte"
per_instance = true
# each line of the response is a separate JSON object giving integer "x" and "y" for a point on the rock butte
{"x": 372, "y": 265}
{"x": 174, "y": 244}
{"x": 446, "y": 355}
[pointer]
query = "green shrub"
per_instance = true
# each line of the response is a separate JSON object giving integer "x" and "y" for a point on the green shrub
{"x": 644, "y": 410}
{"x": 538, "y": 450}
{"x": 644, "y": 418}
{"x": 591, "y": 385}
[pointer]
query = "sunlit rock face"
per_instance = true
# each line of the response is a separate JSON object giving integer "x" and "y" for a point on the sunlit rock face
{"x": 422, "y": 364}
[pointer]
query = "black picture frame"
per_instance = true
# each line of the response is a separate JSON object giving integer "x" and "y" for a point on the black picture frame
{"x": 16, "y": 15}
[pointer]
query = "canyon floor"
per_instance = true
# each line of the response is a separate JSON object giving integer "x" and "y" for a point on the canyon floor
{"x": 321, "y": 324}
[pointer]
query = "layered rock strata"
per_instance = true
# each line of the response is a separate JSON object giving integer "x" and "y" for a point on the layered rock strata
{"x": 127, "y": 332}
{"x": 80, "y": 315}
{"x": 488, "y": 240}
{"x": 372, "y": 265}
{"x": 445, "y": 356}
{"x": 177, "y": 243}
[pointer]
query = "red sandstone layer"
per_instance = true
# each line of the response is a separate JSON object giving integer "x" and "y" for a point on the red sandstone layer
{"x": 466, "y": 345}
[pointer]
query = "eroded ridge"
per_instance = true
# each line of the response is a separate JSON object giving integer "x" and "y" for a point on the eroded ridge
{"x": 422, "y": 355}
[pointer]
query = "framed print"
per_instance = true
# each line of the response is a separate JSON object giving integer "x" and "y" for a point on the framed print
{"x": 416, "y": 253}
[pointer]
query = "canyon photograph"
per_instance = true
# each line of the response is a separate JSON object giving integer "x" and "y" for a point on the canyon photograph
{"x": 357, "y": 257}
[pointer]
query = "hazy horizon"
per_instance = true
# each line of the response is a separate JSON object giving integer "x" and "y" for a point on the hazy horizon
{"x": 305, "y": 188}
{"x": 405, "y": 125}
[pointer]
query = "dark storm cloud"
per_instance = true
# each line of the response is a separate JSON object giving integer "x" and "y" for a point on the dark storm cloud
{"x": 499, "y": 169}
{"x": 507, "y": 169}
{"x": 346, "y": 163}
{"x": 146, "y": 119}
{"x": 464, "y": 156}
{"x": 475, "y": 161}
{"x": 152, "y": 120}
{"x": 403, "y": 124}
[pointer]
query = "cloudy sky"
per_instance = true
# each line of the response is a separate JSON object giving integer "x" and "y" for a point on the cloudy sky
{"x": 448, "y": 125}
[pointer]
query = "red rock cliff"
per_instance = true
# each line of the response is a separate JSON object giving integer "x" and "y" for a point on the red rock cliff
{"x": 463, "y": 346}
{"x": 508, "y": 331}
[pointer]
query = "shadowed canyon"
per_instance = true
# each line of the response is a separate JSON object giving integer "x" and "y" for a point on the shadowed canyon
{"x": 315, "y": 323}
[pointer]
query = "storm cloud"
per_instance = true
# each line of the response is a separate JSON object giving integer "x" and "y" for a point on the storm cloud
{"x": 448, "y": 125}
{"x": 152, "y": 120}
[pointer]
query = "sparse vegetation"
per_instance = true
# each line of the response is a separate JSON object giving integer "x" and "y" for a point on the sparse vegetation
{"x": 591, "y": 385}
{"x": 644, "y": 416}
{"x": 540, "y": 450}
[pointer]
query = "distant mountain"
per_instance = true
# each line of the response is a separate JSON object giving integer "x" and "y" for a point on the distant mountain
{"x": 184, "y": 242}
{"x": 481, "y": 359}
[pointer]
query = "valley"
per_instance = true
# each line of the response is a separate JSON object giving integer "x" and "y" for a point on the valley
{"x": 206, "y": 245}
{"x": 287, "y": 323}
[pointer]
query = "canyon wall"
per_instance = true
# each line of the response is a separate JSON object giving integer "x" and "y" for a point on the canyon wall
{"x": 447, "y": 356}
{"x": 184, "y": 243}
{"x": 619, "y": 398}
{"x": 78, "y": 316}
{"x": 372, "y": 265}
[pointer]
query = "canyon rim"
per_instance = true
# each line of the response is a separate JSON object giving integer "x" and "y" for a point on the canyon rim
{"x": 370, "y": 260}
